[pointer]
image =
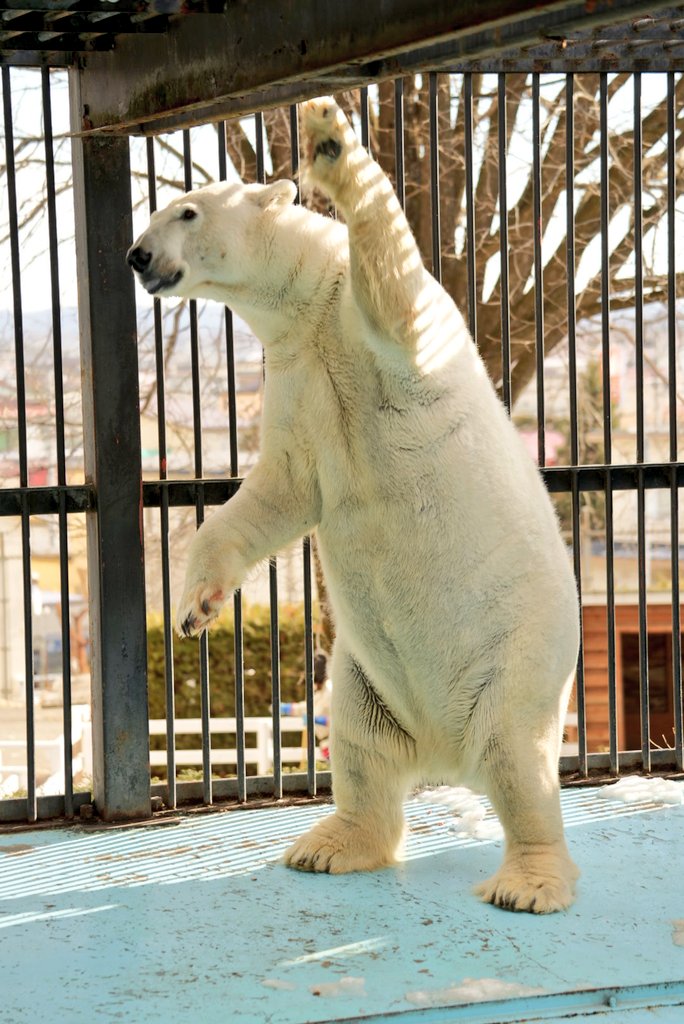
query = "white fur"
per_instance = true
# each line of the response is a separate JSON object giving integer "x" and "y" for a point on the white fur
{"x": 455, "y": 607}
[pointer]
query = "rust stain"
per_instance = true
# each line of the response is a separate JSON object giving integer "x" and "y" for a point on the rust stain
{"x": 16, "y": 850}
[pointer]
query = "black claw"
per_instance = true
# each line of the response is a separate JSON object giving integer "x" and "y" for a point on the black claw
{"x": 187, "y": 625}
{"x": 329, "y": 148}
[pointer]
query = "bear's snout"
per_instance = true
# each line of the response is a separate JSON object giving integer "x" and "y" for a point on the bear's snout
{"x": 138, "y": 259}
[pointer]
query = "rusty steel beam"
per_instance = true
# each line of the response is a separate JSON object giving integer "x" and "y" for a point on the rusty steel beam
{"x": 210, "y": 67}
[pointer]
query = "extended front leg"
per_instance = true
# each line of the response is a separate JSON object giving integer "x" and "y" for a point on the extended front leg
{"x": 389, "y": 281}
{"x": 266, "y": 514}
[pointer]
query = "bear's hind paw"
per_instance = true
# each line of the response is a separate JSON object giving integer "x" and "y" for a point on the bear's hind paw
{"x": 539, "y": 883}
{"x": 337, "y": 847}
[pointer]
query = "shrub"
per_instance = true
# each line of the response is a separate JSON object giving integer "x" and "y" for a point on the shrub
{"x": 256, "y": 659}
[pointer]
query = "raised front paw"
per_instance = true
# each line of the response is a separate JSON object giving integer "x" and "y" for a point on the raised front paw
{"x": 328, "y": 141}
{"x": 199, "y": 606}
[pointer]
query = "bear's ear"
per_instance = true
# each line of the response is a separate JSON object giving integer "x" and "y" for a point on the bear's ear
{"x": 280, "y": 193}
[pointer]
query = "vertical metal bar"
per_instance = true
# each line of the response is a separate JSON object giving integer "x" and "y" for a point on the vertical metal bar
{"x": 434, "y": 177}
{"x": 51, "y": 207}
{"x": 538, "y": 270}
{"x": 672, "y": 381}
{"x": 365, "y": 117}
{"x": 169, "y": 682}
{"x": 294, "y": 143}
{"x": 272, "y": 562}
{"x": 574, "y": 429}
{"x": 308, "y": 672}
{"x": 400, "y": 182}
{"x": 230, "y": 339}
{"x": 203, "y": 643}
{"x": 503, "y": 238}
{"x": 275, "y": 691}
{"x": 111, "y": 414}
{"x": 259, "y": 138}
{"x": 238, "y": 661}
{"x": 640, "y": 435}
{"x": 470, "y": 204}
{"x": 31, "y": 801}
{"x": 607, "y": 424}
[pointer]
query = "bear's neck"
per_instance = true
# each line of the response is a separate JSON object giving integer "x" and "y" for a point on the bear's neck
{"x": 299, "y": 264}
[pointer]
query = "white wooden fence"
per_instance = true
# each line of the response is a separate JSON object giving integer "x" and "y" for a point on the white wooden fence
{"x": 258, "y": 742}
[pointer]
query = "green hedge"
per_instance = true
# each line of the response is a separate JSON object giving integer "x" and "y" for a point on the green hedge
{"x": 257, "y": 665}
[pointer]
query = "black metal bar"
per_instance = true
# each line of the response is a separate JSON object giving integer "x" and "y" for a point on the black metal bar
{"x": 239, "y": 670}
{"x": 558, "y": 479}
{"x": 238, "y": 662}
{"x": 230, "y": 337}
{"x": 607, "y": 418}
{"x": 399, "y": 178}
{"x": 308, "y": 672}
{"x": 503, "y": 239}
{"x": 470, "y": 204}
{"x": 169, "y": 682}
{"x": 51, "y": 207}
{"x": 43, "y": 501}
{"x": 259, "y": 138}
{"x": 673, "y": 404}
{"x": 574, "y": 428}
{"x": 275, "y": 685}
{"x": 111, "y": 410}
{"x": 640, "y": 437}
{"x": 538, "y": 232}
{"x": 203, "y": 643}
{"x": 365, "y": 117}
{"x": 272, "y": 563}
{"x": 434, "y": 177}
{"x": 31, "y": 805}
{"x": 294, "y": 144}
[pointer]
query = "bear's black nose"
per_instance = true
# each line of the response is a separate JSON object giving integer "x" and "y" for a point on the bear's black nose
{"x": 138, "y": 259}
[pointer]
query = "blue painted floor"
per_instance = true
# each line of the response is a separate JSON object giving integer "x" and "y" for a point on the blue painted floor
{"x": 196, "y": 922}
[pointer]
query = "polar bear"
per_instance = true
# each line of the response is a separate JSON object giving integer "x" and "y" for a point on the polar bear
{"x": 455, "y": 607}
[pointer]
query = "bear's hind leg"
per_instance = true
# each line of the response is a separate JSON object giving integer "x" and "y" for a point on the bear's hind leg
{"x": 520, "y": 776}
{"x": 371, "y": 758}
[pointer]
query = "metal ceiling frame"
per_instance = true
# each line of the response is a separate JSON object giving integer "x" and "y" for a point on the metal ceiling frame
{"x": 148, "y": 67}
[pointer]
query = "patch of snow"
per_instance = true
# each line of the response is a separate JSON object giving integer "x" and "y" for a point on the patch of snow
{"x": 634, "y": 790}
{"x": 472, "y": 990}
{"x": 472, "y": 821}
{"x": 343, "y": 987}
{"x": 285, "y": 986}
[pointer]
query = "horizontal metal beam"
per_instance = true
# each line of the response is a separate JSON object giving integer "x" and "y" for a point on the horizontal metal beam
{"x": 69, "y": 43}
{"x": 14, "y": 810}
{"x": 45, "y": 500}
{"x": 187, "y": 493}
{"x": 135, "y": 7}
{"x": 214, "y": 66}
{"x": 78, "y": 23}
{"x": 559, "y": 480}
{"x": 37, "y": 58}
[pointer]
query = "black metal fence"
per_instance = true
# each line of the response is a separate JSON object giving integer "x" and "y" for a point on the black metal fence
{"x": 548, "y": 206}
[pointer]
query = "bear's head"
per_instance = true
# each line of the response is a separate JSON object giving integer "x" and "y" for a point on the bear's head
{"x": 203, "y": 238}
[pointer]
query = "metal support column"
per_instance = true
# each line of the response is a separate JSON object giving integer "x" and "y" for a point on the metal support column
{"x": 102, "y": 197}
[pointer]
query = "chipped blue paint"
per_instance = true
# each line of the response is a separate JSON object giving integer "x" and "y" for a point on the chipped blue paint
{"x": 196, "y": 921}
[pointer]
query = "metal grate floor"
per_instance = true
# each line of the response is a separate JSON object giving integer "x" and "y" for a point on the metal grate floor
{"x": 195, "y": 922}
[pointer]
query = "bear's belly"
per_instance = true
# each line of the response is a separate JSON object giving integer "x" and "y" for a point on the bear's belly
{"x": 427, "y": 600}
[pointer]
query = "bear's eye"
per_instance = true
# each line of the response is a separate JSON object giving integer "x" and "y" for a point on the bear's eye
{"x": 188, "y": 214}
